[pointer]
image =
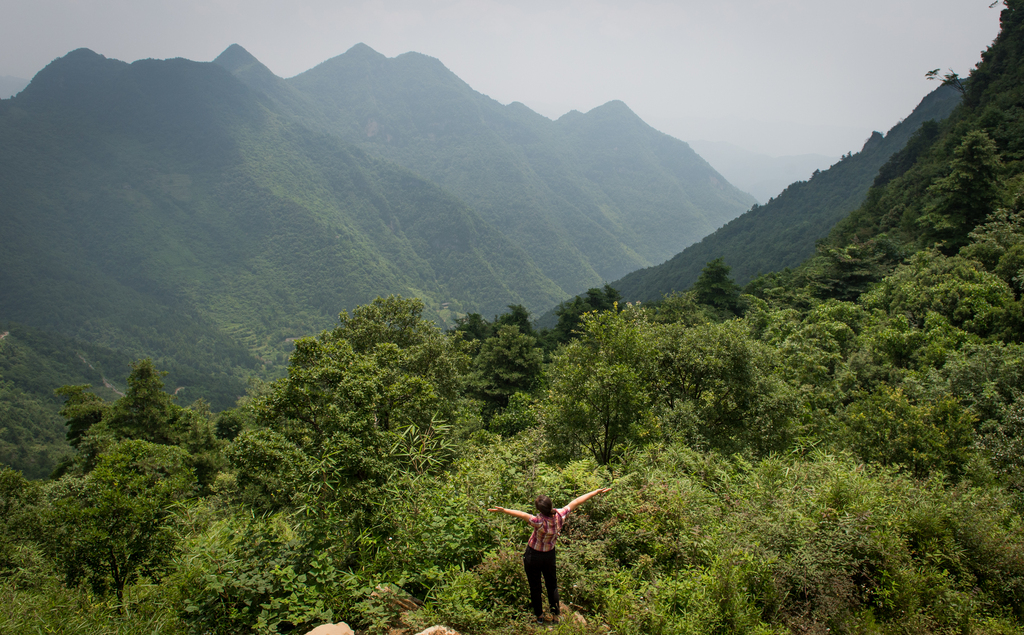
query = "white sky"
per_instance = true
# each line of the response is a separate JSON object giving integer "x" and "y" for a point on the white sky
{"x": 772, "y": 76}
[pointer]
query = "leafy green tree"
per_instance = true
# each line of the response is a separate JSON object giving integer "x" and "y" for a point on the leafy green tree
{"x": 516, "y": 417}
{"x": 716, "y": 289}
{"x": 844, "y": 273}
{"x": 968, "y": 194}
{"x": 957, "y": 289}
{"x": 570, "y": 313}
{"x": 726, "y": 381}
{"x": 999, "y": 245}
{"x": 518, "y": 316}
{"x": 229, "y": 424}
{"x": 115, "y": 524}
{"x": 19, "y": 521}
{"x": 145, "y": 411}
{"x": 677, "y": 307}
{"x": 474, "y": 327}
{"x": 270, "y": 471}
{"x": 889, "y": 428}
{"x": 195, "y": 431}
{"x": 507, "y": 363}
{"x": 81, "y": 410}
{"x": 599, "y": 386}
{"x": 351, "y": 391}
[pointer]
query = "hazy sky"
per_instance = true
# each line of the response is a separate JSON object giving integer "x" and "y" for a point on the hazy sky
{"x": 773, "y": 76}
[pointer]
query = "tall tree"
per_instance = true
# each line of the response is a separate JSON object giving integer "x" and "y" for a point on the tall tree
{"x": 82, "y": 410}
{"x": 508, "y": 363}
{"x": 716, "y": 288}
{"x": 145, "y": 411}
{"x": 570, "y": 312}
{"x": 114, "y": 524}
{"x": 968, "y": 194}
{"x": 599, "y": 397}
{"x": 351, "y": 392}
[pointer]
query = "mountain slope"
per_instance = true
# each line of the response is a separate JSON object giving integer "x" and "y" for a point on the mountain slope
{"x": 163, "y": 208}
{"x": 783, "y": 232}
{"x": 589, "y": 197}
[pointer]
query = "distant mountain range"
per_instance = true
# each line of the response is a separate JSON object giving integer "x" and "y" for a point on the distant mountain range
{"x": 589, "y": 196}
{"x": 205, "y": 213}
{"x": 783, "y": 232}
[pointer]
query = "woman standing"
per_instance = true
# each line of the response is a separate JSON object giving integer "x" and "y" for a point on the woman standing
{"x": 539, "y": 559}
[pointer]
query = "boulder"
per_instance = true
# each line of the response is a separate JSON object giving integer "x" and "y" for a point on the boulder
{"x": 438, "y": 630}
{"x": 340, "y": 628}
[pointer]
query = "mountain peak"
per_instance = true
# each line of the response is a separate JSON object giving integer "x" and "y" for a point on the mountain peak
{"x": 363, "y": 51}
{"x": 81, "y": 68}
{"x": 235, "y": 57}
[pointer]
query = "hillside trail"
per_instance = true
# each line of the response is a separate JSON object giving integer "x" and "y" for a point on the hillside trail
{"x": 106, "y": 383}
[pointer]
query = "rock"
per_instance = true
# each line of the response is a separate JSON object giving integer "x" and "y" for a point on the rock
{"x": 391, "y": 595}
{"x": 571, "y": 615}
{"x": 438, "y": 630}
{"x": 341, "y": 628}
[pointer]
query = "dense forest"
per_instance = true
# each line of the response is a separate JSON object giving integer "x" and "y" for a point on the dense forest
{"x": 832, "y": 448}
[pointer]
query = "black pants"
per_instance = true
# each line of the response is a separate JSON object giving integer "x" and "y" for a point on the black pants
{"x": 539, "y": 563}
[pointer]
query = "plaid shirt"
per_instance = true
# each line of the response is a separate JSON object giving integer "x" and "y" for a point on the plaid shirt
{"x": 546, "y": 529}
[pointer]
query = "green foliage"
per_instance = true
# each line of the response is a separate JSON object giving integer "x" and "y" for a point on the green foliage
{"x": 382, "y": 372}
{"x": 145, "y": 411}
{"x": 716, "y": 289}
{"x": 516, "y": 417}
{"x": 81, "y": 409}
{"x": 888, "y": 429}
{"x": 956, "y": 289}
{"x": 967, "y": 194}
{"x": 718, "y": 387}
{"x": 599, "y": 397}
{"x": 256, "y": 577}
{"x": 508, "y": 363}
{"x": 570, "y": 313}
{"x": 999, "y": 245}
{"x": 113, "y": 525}
{"x": 18, "y": 521}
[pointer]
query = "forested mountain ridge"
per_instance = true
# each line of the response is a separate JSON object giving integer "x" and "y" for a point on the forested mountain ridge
{"x": 162, "y": 208}
{"x": 204, "y": 214}
{"x": 589, "y": 196}
{"x": 783, "y": 232}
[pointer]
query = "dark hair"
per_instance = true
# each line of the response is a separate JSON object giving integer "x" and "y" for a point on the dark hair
{"x": 543, "y": 505}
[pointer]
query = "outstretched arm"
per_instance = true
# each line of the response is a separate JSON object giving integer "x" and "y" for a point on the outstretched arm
{"x": 512, "y": 512}
{"x": 582, "y": 499}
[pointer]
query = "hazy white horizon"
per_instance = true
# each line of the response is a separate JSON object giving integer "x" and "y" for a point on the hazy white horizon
{"x": 778, "y": 77}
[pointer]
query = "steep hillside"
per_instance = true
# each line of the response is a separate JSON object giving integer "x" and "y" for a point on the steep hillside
{"x": 973, "y": 165}
{"x": 783, "y": 232}
{"x": 162, "y": 208}
{"x": 589, "y": 197}
{"x": 32, "y": 364}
